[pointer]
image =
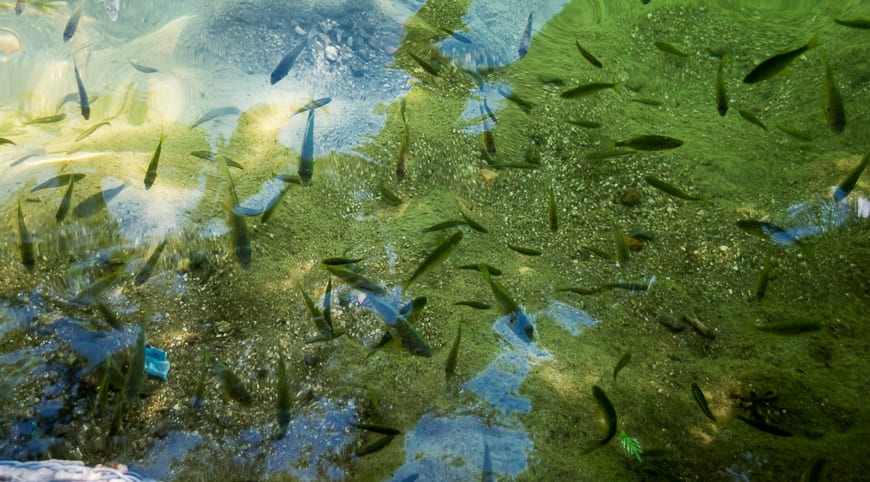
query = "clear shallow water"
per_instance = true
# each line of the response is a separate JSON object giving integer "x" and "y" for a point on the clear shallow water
{"x": 524, "y": 409}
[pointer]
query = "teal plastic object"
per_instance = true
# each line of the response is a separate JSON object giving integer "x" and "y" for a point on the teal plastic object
{"x": 156, "y": 364}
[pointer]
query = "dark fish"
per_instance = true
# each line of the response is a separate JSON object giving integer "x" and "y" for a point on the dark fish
{"x": 670, "y": 189}
{"x": 435, "y": 258}
{"x": 375, "y": 446}
{"x": 514, "y": 165}
{"x": 46, "y": 120}
{"x": 863, "y": 23}
{"x": 519, "y": 322}
{"x": 4, "y": 140}
{"x": 846, "y": 185}
{"x": 83, "y": 95}
{"x": 231, "y": 385}
{"x": 477, "y": 305}
{"x": 89, "y": 296}
{"x": 445, "y": 225}
{"x": 433, "y": 67}
{"x": 588, "y": 89}
{"x": 408, "y": 337}
{"x": 66, "y": 202}
{"x": 369, "y": 427}
{"x": 239, "y": 228}
{"x": 19, "y": 6}
{"x": 526, "y": 38}
{"x": 314, "y": 104}
{"x": 136, "y": 369}
{"x": 765, "y": 427}
{"x": 90, "y": 130}
{"x": 669, "y": 49}
{"x": 623, "y": 361}
{"x": 452, "y": 357}
{"x": 355, "y": 280}
{"x": 73, "y": 23}
{"x": 215, "y": 113}
{"x": 456, "y": 35}
{"x": 404, "y": 145}
{"x": 701, "y": 400}
{"x": 795, "y": 327}
{"x": 619, "y": 245}
{"x": 721, "y": 96}
{"x": 588, "y": 56}
{"x": 283, "y": 67}
{"x": 323, "y": 329}
{"x": 598, "y": 252}
{"x": 650, "y": 143}
{"x": 472, "y": 223}
{"x": 526, "y": 251}
{"x": 647, "y": 101}
{"x": 488, "y": 112}
{"x": 767, "y": 230}
{"x": 551, "y": 211}
{"x": 197, "y": 400}
{"x": 338, "y": 261}
{"x": 283, "y": 401}
{"x": 588, "y": 124}
{"x": 107, "y": 314}
{"x": 814, "y": 472}
{"x": 487, "y": 138}
{"x": 797, "y": 134}
{"x": 306, "y": 159}
{"x": 149, "y": 265}
{"x": 523, "y": 104}
{"x": 764, "y": 277}
{"x": 96, "y": 202}
{"x": 58, "y": 181}
{"x": 835, "y": 113}
{"x": 609, "y": 416}
{"x": 749, "y": 116}
{"x": 25, "y": 242}
{"x": 778, "y": 63}
{"x": 477, "y": 267}
{"x": 387, "y": 195}
{"x": 142, "y": 68}
{"x": 151, "y": 173}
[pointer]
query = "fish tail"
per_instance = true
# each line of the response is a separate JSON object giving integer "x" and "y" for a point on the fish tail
{"x": 813, "y": 42}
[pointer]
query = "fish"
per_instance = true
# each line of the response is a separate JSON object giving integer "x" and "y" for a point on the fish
{"x": 670, "y": 189}
{"x": 493, "y": 271}
{"x": 231, "y": 385}
{"x": 621, "y": 249}
{"x": 701, "y": 400}
{"x": 337, "y": 261}
{"x": 283, "y": 67}
{"x": 587, "y": 124}
{"x": 96, "y": 202}
{"x": 402, "y": 156}
{"x": 432, "y": 68}
{"x": 669, "y": 49}
{"x": 526, "y": 251}
{"x": 606, "y": 407}
{"x": 136, "y": 369}
{"x": 650, "y": 143}
{"x": 551, "y": 211}
{"x": 58, "y": 181}
{"x": 487, "y": 138}
{"x": 863, "y": 23}
{"x": 4, "y": 140}
{"x": 848, "y": 183}
{"x": 797, "y": 134}
{"x": 90, "y": 130}
{"x": 588, "y": 56}
{"x": 749, "y": 116}
{"x": 25, "y": 242}
{"x": 623, "y": 361}
{"x": 141, "y": 68}
{"x": 89, "y": 296}
{"x": 472, "y": 223}
{"x": 766, "y": 229}
{"x": 215, "y": 113}
{"x": 149, "y": 265}
{"x": 835, "y": 113}
{"x": 283, "y": 399}
{"x": 518, "y": 321}
{"x": 112, "y": 9}
{"x": 435, "y": 258}
{"x": 19, "y": 6}
{"x": 197, "y": 400}
{"x": 526, "y": 38}
{"x": 323, "y": 329}
{"x": 369, "y": 427}
{"x": 314, "y": 104}
{"x": 598, "y": 252}
{"x": 488, "y": 112}
{"x": 83, "y": 94}
{"x": 776, "y": 64}
{"x": 795, "y": 327}
{"x": 523, "y": 104}
{"x": 355, "y": 280}
{"x": 46, "y": 120}
{"x": 647, "y": 101}
{"x": 239, "y": 228}
{"x": 765, "y": 427}
{"x": 73, "y": 22}
{"x": 387, "y": 195}
{"x": 477, "y": 305}
{"x": 452, "y": 357}
{"x": 584, "y": 90}
{"x": 764, "y": 277}
{"x": 407, "y": 335}
{"x": 456, "y": 35}
{"x": 814, "y": 472}
{"x": 65, "y": 203}
{"x": 721, "y": 96}
{"x": 453, "y": 223}
{"x": 151, "y": 173}
{"x": 375, "y": 446}
{"x": 306, "y": 159}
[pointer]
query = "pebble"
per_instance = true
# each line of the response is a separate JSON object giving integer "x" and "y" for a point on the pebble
{"x": 331, "y": 53}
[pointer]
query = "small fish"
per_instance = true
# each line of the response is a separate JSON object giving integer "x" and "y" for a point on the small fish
{"x": 609, "y": 416}
{"x": 523, "y": 104}
{"x": 551, "y": 211}
{"x": 404, "y": 145}
{"x": 647, "y": 101}
{"x": 650, "y": 143}
{"x": 338, "y": 261}
{"x": 83, "y": 95}
{"x": 621, "y": 248}
{"x": 477, "y": 305}
{"x": 46, "y": 120}
{"x": 112, "y": 9}
{"x": 848, "y": 183}
{"x": 456, "y": 35}
{"x": 355, "y": 280}
{"x": 197, "y": 400}
{"x": 90, "y": 130}
{"x": 598, "y": 252}
{"x": 814, "y": 472}
{"x": 767, "y": 230}
{"x": 149, "y": 265}
{"x": 58, "y": 181}
{"x": 151, "y": 173}
{"x": 526, "y": 38}
{"x": 778, "y": 63}
{"x": 239, "y": 228}
{"x": 863, "y": 23}
{"x": 445, "y": 225}
{"x": 765, "y": 427}
{"x": 764, "y": 277}
{"x": 670, "y": 189}
{"x": 835, "y": 113}
{"x": 4, "y": 140}
{"x": 472, "y": 223}
{"x": 526, "y": 251}
{"x": 314, "y": 104}
{"x": 797, "y": 134}
{"x": 231, "y": 385}
{"x": 519, "y": 322}
{"x": 66, "y": 202}
{"x": 215, "y": 113}
{"x": 283, "y": 67}
{"x": 452, "y": 357}
{"x": 408, "y": 337}
{"x": 142, "y": 68}
{"x": 749, "y": 116}
{"x": 488, "y": 112}
{"x": 721, "y": 96}
{"x": 369, "y": 427}
{"x": 25, "y": 242}
{"x": 283, "y": 401}
{"x": 477, "y": 267}
{"x": 89, "y": 296}
{"x": 19, "y": 6}
{"x": 387, "y": 195}
{"x": 701, "y": 400}
{"x": 323, "y": 329}
{"x": 588, "y": 89}
{"x": 73, "y": 23}
{"x": 487, "y": 138}
{"x": 136, "y": 369}
{"x": 435, "y": 258}
{"x": 96, "y": 202}
{"x": 375, "y": 446}
{"x": 623, "y": 361}
{"x": 790, "y": 327}
{"x": 588, "y": 56}
{"x": 433, "y": 67}
{"x": 587, "y": 124}
{"x": 669, "y": 49}
{"x": 306, "y": 159}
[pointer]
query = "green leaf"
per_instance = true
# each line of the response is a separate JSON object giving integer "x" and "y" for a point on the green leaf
{"x": 631, "y": 445}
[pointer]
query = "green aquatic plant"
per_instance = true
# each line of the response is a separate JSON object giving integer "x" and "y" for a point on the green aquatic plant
{"x": 630, "y": 444}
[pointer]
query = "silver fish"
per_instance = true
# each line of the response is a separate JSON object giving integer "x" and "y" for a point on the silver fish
{"x": 112, "y": 7}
